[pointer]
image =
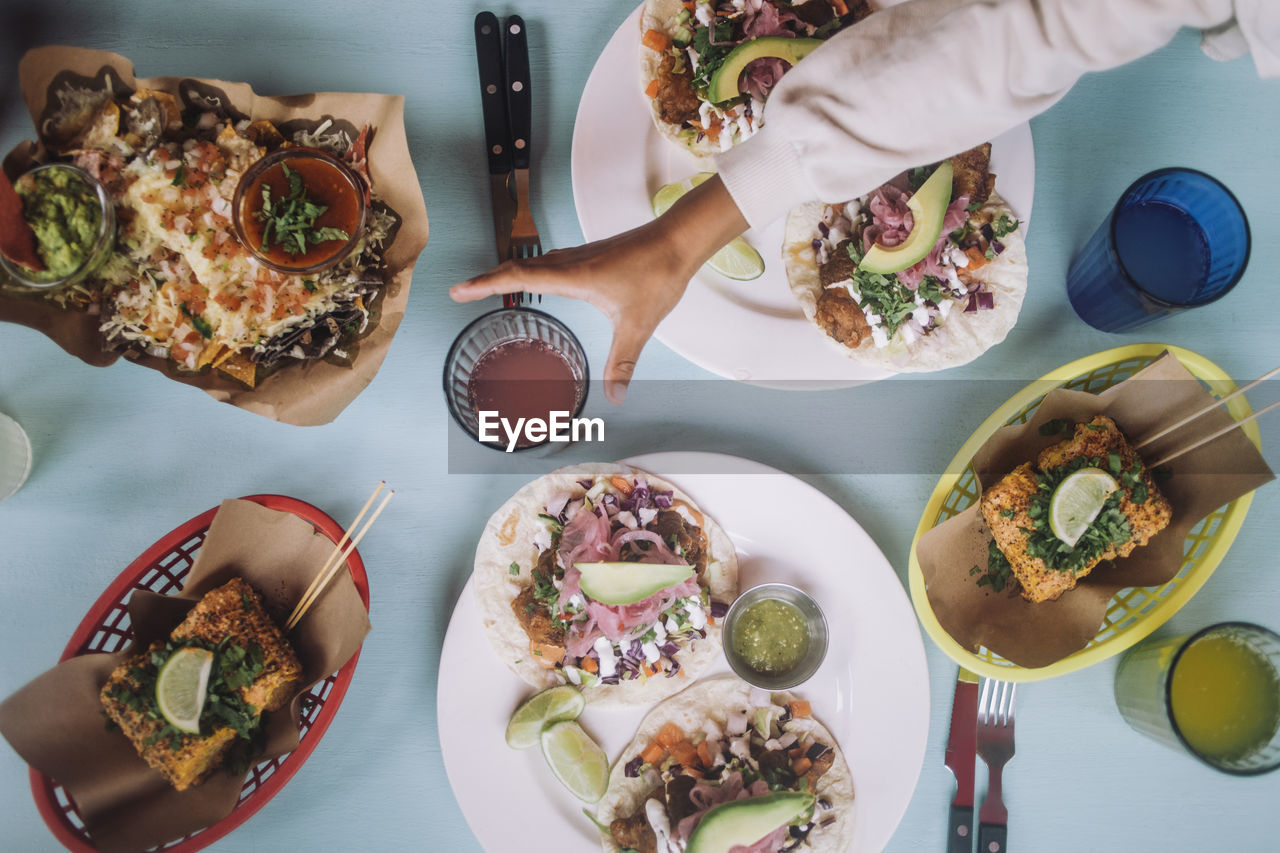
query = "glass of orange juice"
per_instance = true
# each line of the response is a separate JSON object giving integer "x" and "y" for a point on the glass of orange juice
{"x": 1215, "y": 693}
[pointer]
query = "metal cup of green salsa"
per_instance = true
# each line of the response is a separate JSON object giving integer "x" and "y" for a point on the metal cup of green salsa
{"x": 775, "y": 636}
{"x": 74, "y": 222}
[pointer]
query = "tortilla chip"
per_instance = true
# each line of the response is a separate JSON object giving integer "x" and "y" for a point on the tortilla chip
{"x": 240, "y": 369}
{"x": 264, "y": 133}
{"x": 208, "y": 354}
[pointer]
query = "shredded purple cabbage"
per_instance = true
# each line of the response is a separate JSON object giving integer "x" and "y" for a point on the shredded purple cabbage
{"x": 613, "y": 679}
{"x": 662, "y": 500}
{"x": 988, "y": 232}
{"x": 719, "y": 609}
{"x": 586, "y": 484}
{"x": 632, "y": 768}
{"x": 997, "y": 246}
{"x": 823, "y": 229}
{"x": 668, "y": 648}
{"x": 816, "y": 751}
{"x": 675, "y": 667}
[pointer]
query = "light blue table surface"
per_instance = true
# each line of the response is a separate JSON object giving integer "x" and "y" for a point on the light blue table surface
{"x": 123, "y": 454}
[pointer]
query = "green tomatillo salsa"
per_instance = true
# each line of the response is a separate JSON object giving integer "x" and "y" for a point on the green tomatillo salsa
{"x": 771, "y": 637}
{"x": 66, "y": 216}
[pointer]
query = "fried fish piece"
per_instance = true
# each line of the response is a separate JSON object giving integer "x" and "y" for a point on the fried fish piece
{"x": 232, "y": 611}
{"x": 971, "y": 174}
{"x": 1005, "y": 506}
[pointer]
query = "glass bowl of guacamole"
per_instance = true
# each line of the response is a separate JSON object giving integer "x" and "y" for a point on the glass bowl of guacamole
{"x": 74, "y": 221}
{"x": 775, "y": 636}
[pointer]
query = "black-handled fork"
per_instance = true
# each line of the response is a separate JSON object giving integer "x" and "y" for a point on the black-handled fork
{"x": 995, "y": 746}
{"x": 525, "y": 242}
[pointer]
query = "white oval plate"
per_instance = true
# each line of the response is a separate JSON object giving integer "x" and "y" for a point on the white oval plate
{"x": 619, "y": 161}
{"x": 872, "y": 690}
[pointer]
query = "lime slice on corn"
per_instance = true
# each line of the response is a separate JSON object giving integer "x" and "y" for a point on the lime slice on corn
{"x": 577, "y": 760}
{"x": 524, "y": 729}
{"x": 1077, "y": 501}
{"x": 182, "y": 686}
{"x": 738, "y": 260}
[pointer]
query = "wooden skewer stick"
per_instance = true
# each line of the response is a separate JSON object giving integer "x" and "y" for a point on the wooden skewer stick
{"x": 1209, "y": 408}
{"x": 326, "y": 571}
{"x": 1208, "y": 438}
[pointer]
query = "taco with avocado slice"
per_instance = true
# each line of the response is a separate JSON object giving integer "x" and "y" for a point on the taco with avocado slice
{"x": 961, "y": 290}
{"x": 707, "y": 66}
{"x": 723, "y": 764}
{"x": 607, "y": 577}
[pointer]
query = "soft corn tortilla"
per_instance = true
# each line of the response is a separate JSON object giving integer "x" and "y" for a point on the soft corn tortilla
{"x": 959, "y": 340}
{"x": 509, "y": 538}
{"x": 714, "y": 698}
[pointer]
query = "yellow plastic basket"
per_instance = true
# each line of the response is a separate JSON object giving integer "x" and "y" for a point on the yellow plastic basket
{"x": 1135, "y": 612}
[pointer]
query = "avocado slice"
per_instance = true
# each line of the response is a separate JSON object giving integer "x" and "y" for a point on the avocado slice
{"x": 744, "y": 822}
{"x": 724, "y": 81}
{"x": 928, "y": 207}
{"x": 627, "y": 583}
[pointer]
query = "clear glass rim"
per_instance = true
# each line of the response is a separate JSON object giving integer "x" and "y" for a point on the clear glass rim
{"x": 1168, "y": 695}
{"x": 266, "y": 162}
{"x": 1248, "y": 236}
{"x": 462, "y": 336}
{"x": 818, "y": 640}
{"x": 106, "y": 235}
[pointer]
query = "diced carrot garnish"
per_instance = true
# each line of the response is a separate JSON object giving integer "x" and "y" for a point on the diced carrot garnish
{"x": 653, "y": 754}
{"x": 840, "y": 8}
{"x": 801, "y": 766}
{"x": 704, "y": 754}
{"x": 589, "y": 664}
{"x": 669, "y": 734}
{"x": 651, "y": 90}
{"x": 976, "y": 257}
{"x": 800, "y": 708}
{"x": 620, "y": 483}
{"x": 648, "y": 670}
{"x": 684, "y": 752}
{"x": 690, "y": 5}
{"x": 795, "y": 752}
{"x": 656, "y": 40}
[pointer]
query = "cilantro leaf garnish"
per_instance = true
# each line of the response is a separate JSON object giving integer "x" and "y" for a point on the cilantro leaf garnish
{"x": 290, "y": 223}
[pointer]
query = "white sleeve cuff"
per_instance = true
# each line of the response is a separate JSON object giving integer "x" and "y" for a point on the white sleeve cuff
{"x": 764, "y": 176}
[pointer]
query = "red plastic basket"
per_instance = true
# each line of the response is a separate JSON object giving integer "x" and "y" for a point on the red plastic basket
{"x": 105, "y": 628}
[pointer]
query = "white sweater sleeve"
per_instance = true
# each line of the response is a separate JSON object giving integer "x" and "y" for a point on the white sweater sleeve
{"x": 918, "y": 82}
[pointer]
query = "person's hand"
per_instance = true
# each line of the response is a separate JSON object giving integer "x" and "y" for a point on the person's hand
{"x": 634, "y": 278}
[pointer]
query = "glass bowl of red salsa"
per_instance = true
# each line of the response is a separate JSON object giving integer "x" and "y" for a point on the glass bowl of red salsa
{"x": 299, "y": 210}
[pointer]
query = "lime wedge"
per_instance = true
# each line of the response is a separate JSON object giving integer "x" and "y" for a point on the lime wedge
{"x": 738, "y": 260}
{"x": 669, "y": 193}
{"x": 550, "y": 706}
{"x": 577, "y": 760}
{"x": 1077, "y": 501}
{"x": 181, "y": 688}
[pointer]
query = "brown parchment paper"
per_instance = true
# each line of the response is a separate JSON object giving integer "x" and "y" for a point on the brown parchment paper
{"x": 303, "y": 393}
{"x": 56, "y": 724}
{"x": 1036, "y": 635}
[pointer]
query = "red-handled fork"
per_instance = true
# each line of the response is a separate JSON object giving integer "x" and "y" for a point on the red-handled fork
{"x": 995, "y": 746}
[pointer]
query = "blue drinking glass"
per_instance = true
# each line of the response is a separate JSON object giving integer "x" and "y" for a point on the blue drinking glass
{"x": 1176, "y": 239}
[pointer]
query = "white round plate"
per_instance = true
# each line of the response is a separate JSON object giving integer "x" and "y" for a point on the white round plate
{"x": 619, "y": 161}
{"x": 872, "y": 690}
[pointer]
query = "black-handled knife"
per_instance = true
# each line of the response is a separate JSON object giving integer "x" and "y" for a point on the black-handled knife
{"x": 960, "y": 758}
{"x": 519, "y": 101}
{"x": 497, "y": 130}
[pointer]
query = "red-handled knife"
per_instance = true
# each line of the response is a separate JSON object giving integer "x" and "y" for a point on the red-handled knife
{"x": 961, "y": 748}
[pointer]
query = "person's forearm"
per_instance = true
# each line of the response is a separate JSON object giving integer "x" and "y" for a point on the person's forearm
{"x": 921, "y": 81}
{"x": 700, "y": 223}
